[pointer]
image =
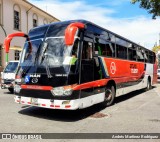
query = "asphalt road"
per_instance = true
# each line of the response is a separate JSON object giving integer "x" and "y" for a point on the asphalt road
{"x": 136, "y": 112}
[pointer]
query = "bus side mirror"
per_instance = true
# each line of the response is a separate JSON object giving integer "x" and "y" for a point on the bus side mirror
{"x": 8, "y": 39}
{"x": 71, "y": 31}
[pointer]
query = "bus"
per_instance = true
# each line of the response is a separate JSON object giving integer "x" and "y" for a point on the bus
{"x": 75, "y": 64}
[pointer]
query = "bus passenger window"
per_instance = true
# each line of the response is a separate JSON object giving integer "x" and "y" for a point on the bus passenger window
{"x": 110, "y": 49}
{"x": 104, "y": 47}
{"x": 121, "y": 52}
{"x": 140, "y": 56}
{"x": 151, "y": 58}
{"x": 87, "y": 50}
{"x": 145, "y": 56}
{"x": 132, "y": 54}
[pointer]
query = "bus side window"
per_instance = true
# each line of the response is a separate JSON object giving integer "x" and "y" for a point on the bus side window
{"x": 104, "y": 48}
{"x": 87, "y": 50}
{"x": 121, "y": 52}
{"x": 108, "y": 50}
{"x": 132, "y": 54}
{"x": 151, "y": 58}
{"x": 145, "y": 56}
{"x": 140, "y": 56}
{"x": 98, "y": 46}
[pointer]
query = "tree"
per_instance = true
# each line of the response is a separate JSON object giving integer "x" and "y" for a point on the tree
{"x": 156, "y": 49}
{"x": 152, "y": 6}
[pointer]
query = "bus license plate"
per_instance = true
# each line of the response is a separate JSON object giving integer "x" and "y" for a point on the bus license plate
{"x": 34, "y": 101}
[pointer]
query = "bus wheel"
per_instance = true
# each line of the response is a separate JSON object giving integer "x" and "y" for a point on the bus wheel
{"x": 109, "y": 96}
{"x": 148, "y": 85}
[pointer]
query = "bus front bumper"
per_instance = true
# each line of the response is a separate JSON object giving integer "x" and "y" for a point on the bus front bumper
{"x": 48, "y": 103}
{"x": 6, "y": 86}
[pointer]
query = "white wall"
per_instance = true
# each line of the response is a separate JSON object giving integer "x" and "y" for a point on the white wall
{"x": 8, "y": 23}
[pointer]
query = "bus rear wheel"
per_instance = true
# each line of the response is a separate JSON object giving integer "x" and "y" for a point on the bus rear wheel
{"x": 110, "y": 93}
{"x": 149, "y": 86}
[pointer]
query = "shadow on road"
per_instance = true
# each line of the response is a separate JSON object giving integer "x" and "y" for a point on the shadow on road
{"x": 8, "y": 93}
{"x": 61, "y": 115}
{"x": 72, "y": 115}
{"x": 130, "y": 95}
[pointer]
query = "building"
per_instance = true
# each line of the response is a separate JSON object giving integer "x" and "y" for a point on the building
{"x": 15, "y": 16}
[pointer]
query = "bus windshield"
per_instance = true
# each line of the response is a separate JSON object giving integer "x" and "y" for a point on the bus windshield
{"x": 57, "y": 53}
{"x": 48, "y": 50}
{"x": 11, "y": 67}
{"x": 53, "y": 51}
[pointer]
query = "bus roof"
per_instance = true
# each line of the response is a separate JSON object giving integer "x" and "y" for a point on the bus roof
{"x": 88, "y": 22}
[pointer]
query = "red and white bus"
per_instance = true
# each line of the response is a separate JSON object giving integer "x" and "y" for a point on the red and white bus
{"x": 76, "y": 64}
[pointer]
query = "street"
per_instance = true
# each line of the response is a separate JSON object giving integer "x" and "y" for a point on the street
{"x": 136, "y": 112}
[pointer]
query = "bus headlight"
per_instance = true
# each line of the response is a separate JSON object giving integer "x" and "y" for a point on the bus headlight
{"x": 68, "y": 92}
{"x": 17, "y": 88}
{"x": 60, "y": 91}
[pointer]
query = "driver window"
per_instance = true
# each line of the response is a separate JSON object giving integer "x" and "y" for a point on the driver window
{"x": 87, "y": 52}
{"x": 75, "y": 49}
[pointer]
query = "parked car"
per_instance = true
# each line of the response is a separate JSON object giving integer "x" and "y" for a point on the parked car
{"x": 158, "y": 75}
{"x": 8, "y": 76}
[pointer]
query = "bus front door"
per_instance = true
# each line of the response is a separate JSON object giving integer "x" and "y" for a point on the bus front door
{"x": 87, "y": 67}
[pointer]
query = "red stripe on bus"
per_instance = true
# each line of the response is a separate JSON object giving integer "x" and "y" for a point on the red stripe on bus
{"x": 103, "y": 82}
{"x": 36, "y": 87}
{"x": 97, "y": 83}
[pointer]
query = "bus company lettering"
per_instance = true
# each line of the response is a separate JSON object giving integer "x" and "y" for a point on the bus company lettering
{"x": 35, "y": 75}
{"x": 35, "y": 87}
{"x": 133, "y": 68}
{"x": 113, "y": 68}
{"x": 59, "y": 75}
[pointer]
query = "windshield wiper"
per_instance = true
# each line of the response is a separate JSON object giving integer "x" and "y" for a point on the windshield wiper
{"x": 45, "y": 56}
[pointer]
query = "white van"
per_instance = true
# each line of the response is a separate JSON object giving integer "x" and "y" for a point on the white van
{"x": 8, "y": 76}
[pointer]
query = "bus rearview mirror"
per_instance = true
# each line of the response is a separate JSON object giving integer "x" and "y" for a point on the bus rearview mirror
{"x": 10, "y": 37}
{"x": 71, "y": 31}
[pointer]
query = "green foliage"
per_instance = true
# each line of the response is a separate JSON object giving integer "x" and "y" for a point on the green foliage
{"x": 156, "y": 49}
{"x": 152, "y": 6}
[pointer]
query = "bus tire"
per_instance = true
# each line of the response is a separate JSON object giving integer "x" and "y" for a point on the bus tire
{"x": 149, "y": 86}
{"x": 110, "y": 93}
{"x": 11, "y": 90}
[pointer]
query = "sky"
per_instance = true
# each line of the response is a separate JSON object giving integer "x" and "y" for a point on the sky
{"x": 118, "y": 16}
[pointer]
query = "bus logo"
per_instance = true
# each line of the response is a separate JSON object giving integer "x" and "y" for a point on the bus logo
{"x": 113, "y": 68}
{"x": 34, "y": 80}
